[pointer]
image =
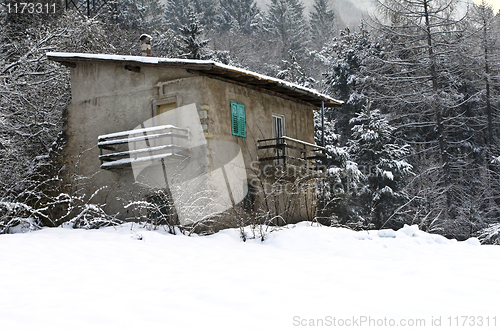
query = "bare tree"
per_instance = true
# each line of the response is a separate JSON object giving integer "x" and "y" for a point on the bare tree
{"x": 419, "y": 76}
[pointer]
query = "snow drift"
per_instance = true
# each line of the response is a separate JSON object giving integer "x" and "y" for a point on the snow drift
{"x": 128, "y": 277}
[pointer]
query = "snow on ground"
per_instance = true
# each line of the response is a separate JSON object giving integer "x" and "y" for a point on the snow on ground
{"x": 306, "y": 275}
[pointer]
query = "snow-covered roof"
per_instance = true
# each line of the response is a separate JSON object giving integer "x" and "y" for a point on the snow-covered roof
{"x": 209, "y": 68}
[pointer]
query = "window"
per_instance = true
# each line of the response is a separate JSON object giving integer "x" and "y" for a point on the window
{"x": 278, "y": 126}
{"x": 279, "y": 131}
{"x": 163, "y": 109}
{"x": 238, "y": 119}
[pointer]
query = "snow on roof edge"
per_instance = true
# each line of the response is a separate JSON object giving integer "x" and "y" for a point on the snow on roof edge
{"x": 159, "y": 60}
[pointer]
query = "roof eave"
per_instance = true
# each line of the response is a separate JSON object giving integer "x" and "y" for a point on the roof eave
{"x": 218, "y": 69}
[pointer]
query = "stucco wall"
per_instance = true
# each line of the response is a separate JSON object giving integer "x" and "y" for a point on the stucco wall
{"x": 297, "y": 201}
{"x": 259, "y": 108}
{"x": 106, "y": 98}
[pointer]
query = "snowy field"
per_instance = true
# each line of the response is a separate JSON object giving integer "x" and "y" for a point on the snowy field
{"x": 305, "y": 275}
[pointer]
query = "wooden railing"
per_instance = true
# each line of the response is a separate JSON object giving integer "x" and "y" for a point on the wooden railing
{"x": 286, "y": 151}
{"x": 141, "y": 145}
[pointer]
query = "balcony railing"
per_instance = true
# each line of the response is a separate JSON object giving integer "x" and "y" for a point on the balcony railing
{"x": 120, "y": 150}
{"x": 288, "y": 152}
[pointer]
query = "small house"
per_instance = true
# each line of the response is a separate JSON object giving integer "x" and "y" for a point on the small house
{"x": 139, "y": 126}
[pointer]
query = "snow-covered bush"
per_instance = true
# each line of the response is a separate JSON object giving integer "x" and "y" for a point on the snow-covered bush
{"x": 20, "y": 216}
{"x": 490, "y": 235}
{"x": 157, "y": 211}
{"x": 84, "y": 213}
{"x": 34, "y": 93}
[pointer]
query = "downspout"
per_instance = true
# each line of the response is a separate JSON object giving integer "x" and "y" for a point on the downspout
{"x": 323, "y": 124}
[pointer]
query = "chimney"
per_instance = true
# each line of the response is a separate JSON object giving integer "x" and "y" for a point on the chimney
{"x": 145, "y": 45}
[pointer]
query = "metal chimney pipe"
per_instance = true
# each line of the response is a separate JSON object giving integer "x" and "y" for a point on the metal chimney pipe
{"x": 145, "y": 45}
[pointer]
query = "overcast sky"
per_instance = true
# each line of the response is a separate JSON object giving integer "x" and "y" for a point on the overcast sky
{"x": 494, "y": 3}
{"x": 366, "y": 3}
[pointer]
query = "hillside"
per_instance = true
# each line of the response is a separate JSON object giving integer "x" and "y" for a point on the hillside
{"x": 350, "y": 11}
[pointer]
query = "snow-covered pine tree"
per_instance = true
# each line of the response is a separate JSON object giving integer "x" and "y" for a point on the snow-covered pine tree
{"x": 384, "y": 167}
{"x": 486, "y": 26}
{"x": 207, "y": 11}
{"x": 323, "y": 23}
{"x": 145, "y": 16}
{"x": 165, "y": 44}
{"x": 238, "y": 31}
{"x": 287, "y": 26}
{"x": 193, "y": 43}
{"x": 483, "y": 68}
{"x": 346, "y": 75}
{"x": 342, "y": 177}
{"x": 238, "y": 16}
{"x": 177, "y": 13}
{"x": 293, "y": 72}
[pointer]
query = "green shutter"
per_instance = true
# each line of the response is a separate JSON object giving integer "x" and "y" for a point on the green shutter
{"x": 234, "y": 117}
{"x": 241, "y": 120}
{"x": 238, "y": 119}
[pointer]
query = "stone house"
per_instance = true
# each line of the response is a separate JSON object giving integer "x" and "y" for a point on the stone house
{"x": 131, "y": 115}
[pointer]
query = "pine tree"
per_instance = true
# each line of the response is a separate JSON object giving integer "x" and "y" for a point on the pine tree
{"x": 177, "y": 12}
{"x": 238, "y": 16}
{"x": 481, "y": 70}
{"x": 143, "y": 16}
{"x": 126, "y": 20}
{"x": 207, "y": 11}
{"x": 165, "y": 44}
{"x": 238, "y": 31}
{"x": 485, "y": 51}
{"x": 383, "y": 164}
{"x": 346, "y": 76}
{"x": 342, "y": 176}
{"x": 287, "y": 26}
{"x": 293, "y": 72}
{"x": 322, "y": 21}
{"x": 191, "y": 36}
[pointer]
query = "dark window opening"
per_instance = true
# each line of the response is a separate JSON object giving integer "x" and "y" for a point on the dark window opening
{"x": 278, "y": 132}
{"x": 249, "y": 200}
{"x": 161, "y": 210}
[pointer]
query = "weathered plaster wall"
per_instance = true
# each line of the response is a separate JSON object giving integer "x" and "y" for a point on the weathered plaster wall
{"x": 259, "y": 108}
{"x": 298, "y": 200}
{"x": 106, "y": 98}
